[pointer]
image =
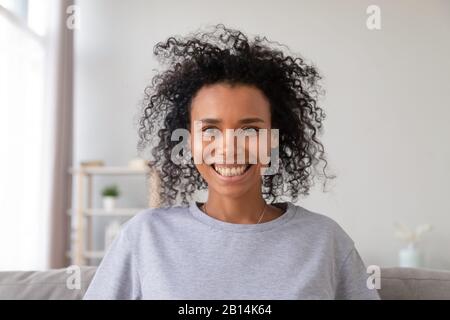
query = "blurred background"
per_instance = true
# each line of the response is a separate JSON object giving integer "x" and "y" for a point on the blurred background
{"x": 72, "y": 77}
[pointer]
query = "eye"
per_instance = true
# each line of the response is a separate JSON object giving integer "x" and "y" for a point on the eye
{"x": 211, "y": 131}
{"x": 249, "y": 131}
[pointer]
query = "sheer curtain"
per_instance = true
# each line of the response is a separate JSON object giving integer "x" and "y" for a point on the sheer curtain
{"x": 35, "y": 120}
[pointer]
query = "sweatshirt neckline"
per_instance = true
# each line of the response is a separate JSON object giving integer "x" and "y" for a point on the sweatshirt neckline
{"x": 241, "y": 227}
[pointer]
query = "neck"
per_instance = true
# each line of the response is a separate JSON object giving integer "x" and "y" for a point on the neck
{"x": 244, "y": 209}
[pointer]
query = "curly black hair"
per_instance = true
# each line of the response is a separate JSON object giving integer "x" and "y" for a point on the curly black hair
{"x": 224, "y": 55}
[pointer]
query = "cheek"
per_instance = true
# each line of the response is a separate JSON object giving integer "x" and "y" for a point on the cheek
{"x": 194, "y": 145}
{"x": 208, "y": 151}
{"x": 257, "y": 148}
{"x": 203, "y": 169}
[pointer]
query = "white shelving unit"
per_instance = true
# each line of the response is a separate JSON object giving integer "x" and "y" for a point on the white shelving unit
{"x": 81, "y": 231}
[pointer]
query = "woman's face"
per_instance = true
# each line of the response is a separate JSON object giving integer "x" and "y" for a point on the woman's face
{"x": 244, "y": 109}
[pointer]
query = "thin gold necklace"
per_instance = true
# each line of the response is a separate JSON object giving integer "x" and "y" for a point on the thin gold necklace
{"x": 260, "y": 217}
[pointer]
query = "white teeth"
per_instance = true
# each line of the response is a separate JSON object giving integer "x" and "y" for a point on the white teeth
{"x": 230, "y": 172}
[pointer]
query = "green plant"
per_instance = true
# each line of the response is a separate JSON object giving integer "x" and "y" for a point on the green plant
{"x": 111, "y": 191}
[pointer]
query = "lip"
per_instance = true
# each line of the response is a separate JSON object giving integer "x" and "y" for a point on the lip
{"x": 234, "y": 179}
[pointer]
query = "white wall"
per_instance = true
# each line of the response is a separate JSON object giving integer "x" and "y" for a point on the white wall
{"x": 387, "y": 101}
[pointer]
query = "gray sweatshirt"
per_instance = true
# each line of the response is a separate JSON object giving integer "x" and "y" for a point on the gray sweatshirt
{"x": 183, "y": 253}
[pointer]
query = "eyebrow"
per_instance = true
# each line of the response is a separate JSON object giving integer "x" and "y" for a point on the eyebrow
{"x": 243, "y": 121}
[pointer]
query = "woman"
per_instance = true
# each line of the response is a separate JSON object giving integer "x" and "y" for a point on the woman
{"x": 242, "y": 242}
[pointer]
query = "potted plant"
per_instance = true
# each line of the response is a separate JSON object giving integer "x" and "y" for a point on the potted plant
{"x": 410, "y": 256}
{"x": 110, "y": 193}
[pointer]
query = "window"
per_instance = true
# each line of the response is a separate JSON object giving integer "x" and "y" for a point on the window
{"x": 22, "y": 109}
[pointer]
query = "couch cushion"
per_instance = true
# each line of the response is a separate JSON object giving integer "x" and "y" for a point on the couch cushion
{"x": 396, "y": 283}
{"x": 43, "y": 285}
{"x": 414, "y": 283}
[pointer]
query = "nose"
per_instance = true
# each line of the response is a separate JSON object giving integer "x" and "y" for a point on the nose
{"x": 232, "y": 147}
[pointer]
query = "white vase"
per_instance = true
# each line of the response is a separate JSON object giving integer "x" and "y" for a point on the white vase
{"x": 109, "y": 203}
{"x": 410, "y": 257}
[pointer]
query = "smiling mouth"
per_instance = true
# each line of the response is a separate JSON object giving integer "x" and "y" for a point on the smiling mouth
{"x": 231, "y": 171}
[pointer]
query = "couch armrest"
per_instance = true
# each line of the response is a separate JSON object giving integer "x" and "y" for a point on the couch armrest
{"x": 399, "y": 283}
{"x": 43, "y": 285}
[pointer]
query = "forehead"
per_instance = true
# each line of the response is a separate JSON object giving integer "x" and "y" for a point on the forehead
{"x": 230, "y": 102}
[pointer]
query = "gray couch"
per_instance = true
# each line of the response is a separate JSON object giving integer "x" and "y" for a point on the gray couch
{"x": 396, "y": 283}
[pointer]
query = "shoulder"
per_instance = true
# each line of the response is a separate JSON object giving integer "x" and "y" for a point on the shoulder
{"x": 322, "y": 228}
{"x": 150, "y": 218}
{"x": 317, "y": 220}
{"x": 151, "y": 214}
